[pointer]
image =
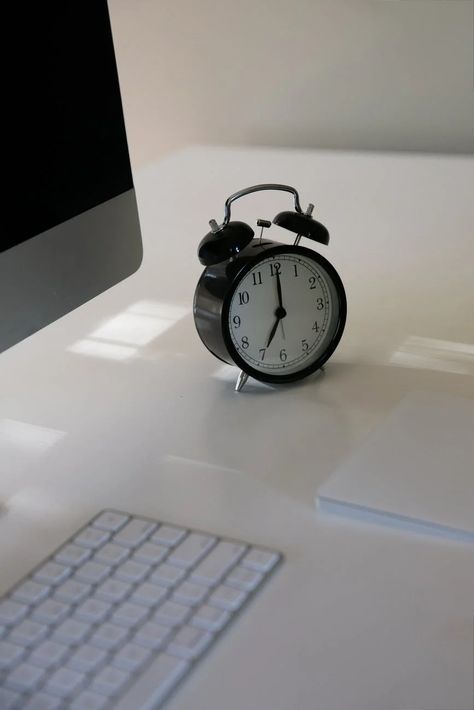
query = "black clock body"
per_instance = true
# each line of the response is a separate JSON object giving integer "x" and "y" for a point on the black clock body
{"x": 217, "y": 286}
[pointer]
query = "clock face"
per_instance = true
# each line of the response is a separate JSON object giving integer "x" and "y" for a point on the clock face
{"x": 286, "y": 314}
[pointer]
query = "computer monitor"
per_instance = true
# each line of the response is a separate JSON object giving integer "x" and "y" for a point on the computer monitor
{"x": 73, "y": 229}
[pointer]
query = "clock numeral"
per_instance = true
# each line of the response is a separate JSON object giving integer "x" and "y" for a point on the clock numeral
{"x": 257, "y": 278}
{"x": 275, "y": 268}
{"x": 316, "y": 326}
{"x": 236, "y": 321}
{"x": 243, "y": 297}
{"x": 262, "y": 353}
{"x": 296, "y": 269}
{"x": 319, "y": 304}
{"x": 283, "y": 355}
{"x": 245, "y": 342}
{"x": 312, "y": 281}
{"x": 304, "y": 345}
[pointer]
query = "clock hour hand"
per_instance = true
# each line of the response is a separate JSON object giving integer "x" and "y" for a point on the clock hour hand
{"x": 273, "y": 331}
{"x": 280, "y": 314}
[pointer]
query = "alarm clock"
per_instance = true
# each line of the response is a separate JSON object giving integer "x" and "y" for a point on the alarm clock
{"x": 276, "y": 311}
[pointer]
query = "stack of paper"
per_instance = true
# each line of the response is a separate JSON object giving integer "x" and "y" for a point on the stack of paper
{"x": 416, "y": 470}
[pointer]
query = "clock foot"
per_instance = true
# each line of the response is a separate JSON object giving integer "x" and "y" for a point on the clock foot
{"x": 241, "y": 380}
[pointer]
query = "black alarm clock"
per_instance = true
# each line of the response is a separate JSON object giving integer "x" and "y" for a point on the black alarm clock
{"x": 274, "y": 310}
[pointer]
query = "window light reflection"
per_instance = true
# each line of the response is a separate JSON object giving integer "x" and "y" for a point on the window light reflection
{"x": 432, "y": 354}
{"x": 109, "y": 351}
{"x": 120, "y": 337}
{"x": 33, "y": 438}
{"x": 228, "y": 373}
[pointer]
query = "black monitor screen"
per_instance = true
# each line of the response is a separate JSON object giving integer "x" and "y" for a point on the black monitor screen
{"x": 69, "y": 134}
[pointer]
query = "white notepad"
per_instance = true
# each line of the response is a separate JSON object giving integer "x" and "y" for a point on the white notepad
{"x": 416, "y": 470}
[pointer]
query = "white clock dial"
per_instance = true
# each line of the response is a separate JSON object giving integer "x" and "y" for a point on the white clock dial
{"x": 283, "y": 314}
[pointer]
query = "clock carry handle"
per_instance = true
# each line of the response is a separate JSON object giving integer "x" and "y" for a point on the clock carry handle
{"x": 297, "y": 221}
{"x": 259, "y": 188}
{"x": 226, "y": 240}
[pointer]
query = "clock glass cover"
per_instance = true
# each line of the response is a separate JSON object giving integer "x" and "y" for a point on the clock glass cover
{"x": 286, "y": 314}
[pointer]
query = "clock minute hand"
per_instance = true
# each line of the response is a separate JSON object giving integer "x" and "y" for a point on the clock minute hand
{"x": 280, "y": 302}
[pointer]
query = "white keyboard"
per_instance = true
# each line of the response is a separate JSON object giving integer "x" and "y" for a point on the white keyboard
{"x": 119, "y": 614}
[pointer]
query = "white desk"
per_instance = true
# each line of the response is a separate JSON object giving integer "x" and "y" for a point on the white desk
{"x": 358, "y": 618}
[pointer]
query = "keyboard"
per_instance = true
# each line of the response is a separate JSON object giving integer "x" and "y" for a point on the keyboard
{"x": 121, "y": 612}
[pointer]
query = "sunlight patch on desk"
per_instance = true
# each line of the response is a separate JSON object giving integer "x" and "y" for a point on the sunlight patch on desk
{"x": 120, "y": 337}
{"x": 109, "y": 351}
{"x": 195, "y": 463}
{"x": 38, "y": 504}
{"x": 432, "y": 354}
{"x": 30, "y": 437}
{"x": 227, "y": 373}
{"x": 230, "y": 373}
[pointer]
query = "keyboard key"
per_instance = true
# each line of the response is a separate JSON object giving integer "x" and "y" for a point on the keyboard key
{"x": 118, "y": 615}
{"x": 149, "y": 594}
{"x": 134, "y": 533}
{"x": 172, "y": 614}
{"x": 110, "y": 681}
{"x": 112, "y": 590}
{"x": 210, "y": 618}
{"x": 72, "y": 592}
{"x": 10, "y": 654}
{"x": 91, "y": 538}
{"x": 245, "y": 579}
{"x": 167, "y": 575}
{"x": 27, "y": 633}
{"x": 152, "y": 635}
{"x": 155, "y": 683}
{"x": 227, "y": 598}
{"x": 109, "y": 636}
{"x": 71, "y": 632}
{"x": 128, "y": 614}
{"x": 191, "y": 550}
{"x": 131, "y": 657}
{"x": 92, "y": 573}
{"x": 11, "y": 612}
{"x": 72, "y": 555}
{"x": 218, "y": 562}
{"x": 50, "y": 612}
{"x": 189, "y": 642}
{"x": 110, "y": 520}
{"x": 52, "y": 573}
{"x": 87, "y": 658}
{"x": 260, "y": 560}
{"x": 65, "y": 682}
{"x": 30, "y": 592}
{"x": 24, "y": 677}
{"x": 111, "y": 554}
{"x": 87, "y": 700}
{"x": 168, "y": 535}
{"x": 48, "y": 654}
{"x": 190, "y": 594}
{"x": 150, "y": 553}
{"x": 42, "y": 701}
{"x": 93, "y": 610}
{"x": 131, "y": 572}
{"x": 8, "y": 699}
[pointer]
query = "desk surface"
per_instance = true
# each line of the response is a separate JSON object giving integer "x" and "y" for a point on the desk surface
{"x": 119, "y": 405}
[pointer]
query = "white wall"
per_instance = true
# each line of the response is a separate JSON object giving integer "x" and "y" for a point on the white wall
{"x": 361, "y": 74}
